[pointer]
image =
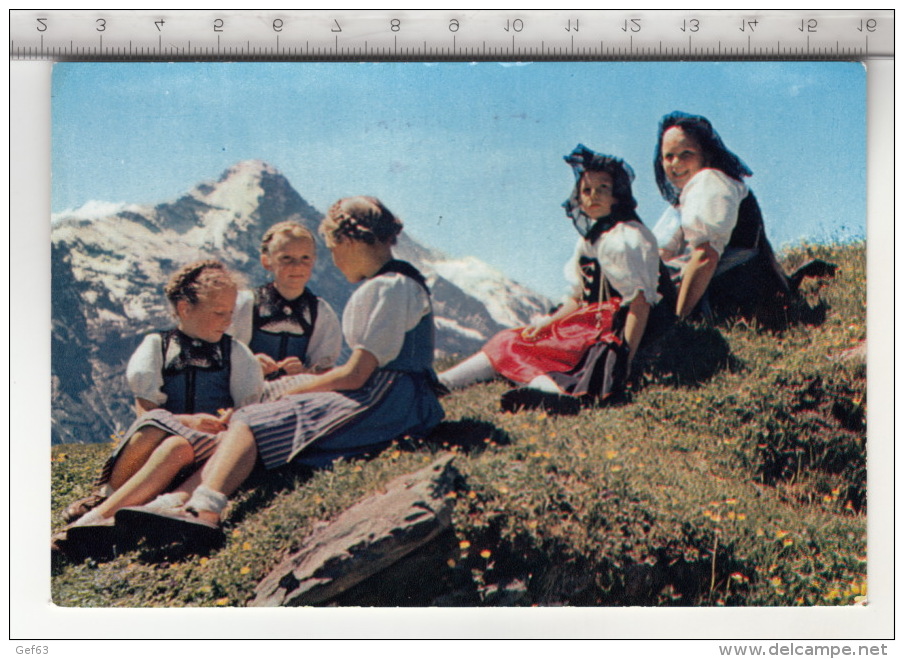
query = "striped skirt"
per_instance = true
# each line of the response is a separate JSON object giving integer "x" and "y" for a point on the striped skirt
{"x": 316, "y": 428}
{"x": 202, "y": 443}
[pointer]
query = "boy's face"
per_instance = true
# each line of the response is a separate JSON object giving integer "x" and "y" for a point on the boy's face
{"x": 291, "y": 260}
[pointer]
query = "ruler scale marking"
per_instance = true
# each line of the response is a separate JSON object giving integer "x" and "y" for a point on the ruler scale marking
{"x": 254, "y": 39}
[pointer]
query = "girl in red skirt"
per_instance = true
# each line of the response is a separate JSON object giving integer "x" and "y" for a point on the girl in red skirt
{"x": 583, "y": 351}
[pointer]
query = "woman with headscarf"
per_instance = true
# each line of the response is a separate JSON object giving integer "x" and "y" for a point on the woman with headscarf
{"x": 712, "y": 237}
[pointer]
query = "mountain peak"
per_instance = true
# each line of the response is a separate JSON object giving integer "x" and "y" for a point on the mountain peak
{"x": 249, "y": 169}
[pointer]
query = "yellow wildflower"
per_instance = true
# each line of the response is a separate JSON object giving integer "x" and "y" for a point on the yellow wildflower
{"x": 245, "y": 570}
{"x": 246, "y": 546}
{"x": 486, "y": 553}
{"x": 464, "y": 544}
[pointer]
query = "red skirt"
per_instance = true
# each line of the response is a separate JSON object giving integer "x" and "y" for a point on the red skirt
{"x": 560, "y": 346}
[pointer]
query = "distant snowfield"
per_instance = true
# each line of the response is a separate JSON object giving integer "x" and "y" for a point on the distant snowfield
{"x": 94, "y": 210}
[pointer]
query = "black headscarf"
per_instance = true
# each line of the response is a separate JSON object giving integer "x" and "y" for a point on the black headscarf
{"x": 715, "y": 155}
{"x": 582, "y": 160}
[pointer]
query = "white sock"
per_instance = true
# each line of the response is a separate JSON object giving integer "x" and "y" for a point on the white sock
{"x": 476, "y": 368}
{"x": 203, "y": 498}
{"x": 544, "y": 383}
{"x": 90, "y": 518}
{"x": 167, "y": 501}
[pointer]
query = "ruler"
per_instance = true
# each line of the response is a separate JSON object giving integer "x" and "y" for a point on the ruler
{"x": 449, "y": 35}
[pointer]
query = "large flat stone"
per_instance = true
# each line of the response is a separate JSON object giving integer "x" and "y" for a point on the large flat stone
{"x": 365, "y": 539}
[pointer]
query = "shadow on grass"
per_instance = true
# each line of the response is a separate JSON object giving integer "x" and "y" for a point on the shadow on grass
{"x": 471, "y": 436}
{"x": 687, "y": 355}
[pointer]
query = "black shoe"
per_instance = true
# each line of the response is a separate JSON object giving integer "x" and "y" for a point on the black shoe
{"x": 160, "y": 528}
{"x": 525, "y": 398}
{"x": 99, "y": 541}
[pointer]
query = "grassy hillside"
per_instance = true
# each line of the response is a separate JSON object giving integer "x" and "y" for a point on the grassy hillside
{"x": 735, "y": 476}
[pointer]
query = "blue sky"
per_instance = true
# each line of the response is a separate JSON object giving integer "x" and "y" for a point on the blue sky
{"x": 469, "y": 155}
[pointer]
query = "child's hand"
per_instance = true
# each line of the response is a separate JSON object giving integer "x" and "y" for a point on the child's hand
{"x": 206, "y": 422}
{"x": 268, "y": 364}
{"x": 534, "y": 332}
{"x": 291, "y": 366}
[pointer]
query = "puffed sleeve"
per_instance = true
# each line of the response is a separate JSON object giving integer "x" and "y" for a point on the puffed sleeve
{"x": 380, "y": 312}
{"x": 326, "y": 339}
{"x": 709, "y": 207}
{"x": 669, "y": 234}
{"x": 629, "y": 259}
{"x": 144, "y": 372}
{"x": 243, "y": 317}
{"x": 573, "y": 274}
{"x": 246, "y": 379}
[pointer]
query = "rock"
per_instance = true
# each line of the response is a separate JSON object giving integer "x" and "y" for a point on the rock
{"x": 365, "y": 539}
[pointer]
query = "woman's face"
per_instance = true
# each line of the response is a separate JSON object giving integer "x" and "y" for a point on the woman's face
{"x": 682, "y": 157}
{"x": 597, "y": 199}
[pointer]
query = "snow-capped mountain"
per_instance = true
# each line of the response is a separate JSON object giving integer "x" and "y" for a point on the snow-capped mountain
{"x": 110, "y": 264}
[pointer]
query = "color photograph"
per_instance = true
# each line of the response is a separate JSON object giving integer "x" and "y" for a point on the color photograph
{"x": 581, "y": 334}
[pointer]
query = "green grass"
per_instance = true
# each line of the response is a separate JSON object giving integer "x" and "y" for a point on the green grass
{"x": 735, "y": 476}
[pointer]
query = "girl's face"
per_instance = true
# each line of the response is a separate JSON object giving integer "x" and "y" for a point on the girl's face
{"x": 210, "y": 317}
{"x": 596, "y": 194}
{"x": 682, "y": 157}
{"x": 291, "y": 260}
{"x": 346, "y": 256}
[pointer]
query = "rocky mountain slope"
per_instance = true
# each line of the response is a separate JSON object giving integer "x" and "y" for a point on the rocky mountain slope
{"x": 109, "y": 271}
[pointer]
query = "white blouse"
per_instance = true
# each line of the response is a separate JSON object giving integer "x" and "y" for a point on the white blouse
{"x": 145, "y": 372}
{"x": 380, "y": 312}
{"x": 324, "y": 344}
{"x": 628, "y": 258}
{"x": 707, "y": 212}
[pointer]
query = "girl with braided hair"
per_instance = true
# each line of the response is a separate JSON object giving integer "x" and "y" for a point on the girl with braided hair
{"x": 582, "y": 352}
{"x": 186, "y": 382}
{"x": 384, "y": 391}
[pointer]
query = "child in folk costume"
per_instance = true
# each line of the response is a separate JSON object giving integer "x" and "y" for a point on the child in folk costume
{"x": 290, "y": 330}
{"x": 385, "y": 390}
{"x": 186, "y": 382}
{"x": 585, "y": 348}
{"x": 712, "y": 237}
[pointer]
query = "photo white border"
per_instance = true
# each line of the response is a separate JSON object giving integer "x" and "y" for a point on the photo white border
{"x": 33, "y": 616}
